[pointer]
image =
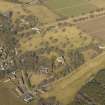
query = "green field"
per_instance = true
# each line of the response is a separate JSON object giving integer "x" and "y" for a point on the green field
{"x": 70, "y": 7}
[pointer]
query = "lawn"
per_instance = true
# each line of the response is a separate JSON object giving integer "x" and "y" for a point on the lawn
{"x": 70, "y": 7}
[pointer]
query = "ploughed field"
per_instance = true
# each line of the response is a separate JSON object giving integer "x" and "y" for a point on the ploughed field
{"x": 94, "y": 92}
{"x": 94, "y": 27}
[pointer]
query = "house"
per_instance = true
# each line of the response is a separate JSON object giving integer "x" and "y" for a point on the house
{"x": 60, "y": 60}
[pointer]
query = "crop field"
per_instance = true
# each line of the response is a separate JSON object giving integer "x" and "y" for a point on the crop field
{"x": 70, "y": 7}
{"x": 94, "y": 27}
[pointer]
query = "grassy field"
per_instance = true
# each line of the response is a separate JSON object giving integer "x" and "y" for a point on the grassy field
{"x": 43, "y": 13}
{"x": 37, "y": 10}
{"x": 37, "y": 78}
{"x": 15, "y": 8}
{"x": 70, "y": 7}
{"x": 66, "y": 88}
{"x": 72, "y": 34}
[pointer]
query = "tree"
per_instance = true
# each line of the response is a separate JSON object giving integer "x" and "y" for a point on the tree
{"x": 53, "y": 56}
{"x": 76, "y": 58}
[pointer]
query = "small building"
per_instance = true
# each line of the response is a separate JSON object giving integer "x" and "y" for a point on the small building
{"x": 28, "y": 97}
{"x": 43, "y": 70}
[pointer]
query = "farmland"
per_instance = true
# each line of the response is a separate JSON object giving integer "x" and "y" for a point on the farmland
{"x": 93, "y": 91}
{"x": 67, "y": 7}
{"x": 51, "y": 50}
{"x": 94, "y": 27}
